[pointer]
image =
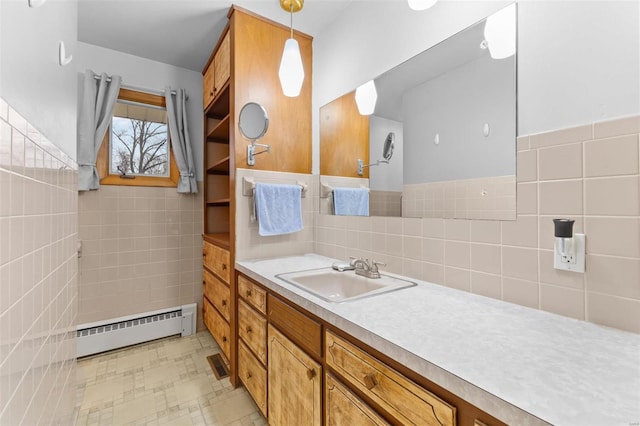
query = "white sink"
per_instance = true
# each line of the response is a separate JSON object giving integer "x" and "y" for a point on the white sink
{"x": 334, "y": 286}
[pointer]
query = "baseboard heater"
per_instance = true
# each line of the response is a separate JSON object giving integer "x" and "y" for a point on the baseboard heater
{"x": 117, "y": 333}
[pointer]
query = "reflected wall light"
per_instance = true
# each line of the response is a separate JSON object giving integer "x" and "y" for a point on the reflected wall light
{"x": 500, "y": 33}
{"x": 291, "y": 72}
{"x": 366, "y": 97}
{"x": 421, "y": 4}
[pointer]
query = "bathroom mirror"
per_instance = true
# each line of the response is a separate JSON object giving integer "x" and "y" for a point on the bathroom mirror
{"x": 253, "y": 121}
{"x": 452, "y": 113}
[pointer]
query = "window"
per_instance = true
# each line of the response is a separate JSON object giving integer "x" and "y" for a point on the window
{"x": 136, "y": 147}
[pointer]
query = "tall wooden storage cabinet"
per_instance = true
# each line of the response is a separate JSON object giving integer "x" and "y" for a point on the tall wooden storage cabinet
{"x": 243, "y": 68}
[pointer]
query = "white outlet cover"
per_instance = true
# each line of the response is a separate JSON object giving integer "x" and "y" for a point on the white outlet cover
{"x": 579, "y": 264}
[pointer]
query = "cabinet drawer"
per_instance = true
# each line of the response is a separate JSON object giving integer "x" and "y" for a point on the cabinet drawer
{"x": 218, "y": 327}
{"x": 252, "y": 328}
{"x": 216, "y": 259}
{"x": 343, "y": 407}
{"x": 217, "y": 292}
{"x": 254, "y": 376}
{"x": 254, "y": 295}
{"x": 400, "y": 397}
{"x": 300, "y": 328}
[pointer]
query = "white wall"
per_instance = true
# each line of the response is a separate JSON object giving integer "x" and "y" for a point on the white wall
{"x": 31, "y": 80}
{"x": 145, "y": 73}
{"x": 578, "y": 61}
{"x": 455, "y": 106}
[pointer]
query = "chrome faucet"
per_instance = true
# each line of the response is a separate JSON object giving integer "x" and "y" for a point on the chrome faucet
{"x": 362, "y": 267}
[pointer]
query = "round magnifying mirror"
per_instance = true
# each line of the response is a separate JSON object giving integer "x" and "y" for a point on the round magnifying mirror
{"x": 253, "y": 121}
{"x": 389, "y": 142}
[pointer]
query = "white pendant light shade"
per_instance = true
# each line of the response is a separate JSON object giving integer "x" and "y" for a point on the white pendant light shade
{"x": 291, "y": 71}
{"x": 366, "y": 97}
{"x": 421, "y": 4}
{"x": 500, "y": 33}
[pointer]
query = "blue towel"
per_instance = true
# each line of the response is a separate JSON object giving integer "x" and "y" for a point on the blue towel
{"x": 351, "y": 201}
{"x": 279, "y": 208}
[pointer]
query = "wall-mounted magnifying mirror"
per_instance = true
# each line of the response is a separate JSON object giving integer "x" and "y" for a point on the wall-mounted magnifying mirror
{"x": 389, "y": 143}
{"x": 253, "y": 123}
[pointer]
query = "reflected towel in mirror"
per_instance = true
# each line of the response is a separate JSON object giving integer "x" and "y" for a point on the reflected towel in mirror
{"x": 351, "y": 201}
{"x": 279, "y": 208}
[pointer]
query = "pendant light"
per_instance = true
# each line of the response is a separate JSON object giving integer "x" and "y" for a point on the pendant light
{"x": 366, "y": 97}
{"x": 500, "y": 33}
{"x": 291, "y": 72}
{"x": 421, "y": 4}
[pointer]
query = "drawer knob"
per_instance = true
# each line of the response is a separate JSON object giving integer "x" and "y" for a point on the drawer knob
{"x": 224, "y": 302}
{"x": 249, "y": 293}
{"x": 370, "y": 381}
{"x": 204, "y": 282}
{"x": 311, "y": 373}
{"x": 224, "y": 339}
{"x": 224, "y": 266}
{"x": 249, "y": 330}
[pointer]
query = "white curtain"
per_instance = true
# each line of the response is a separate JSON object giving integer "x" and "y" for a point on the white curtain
{"x": 180, "y": 142}
{"x": 98, "y": 100}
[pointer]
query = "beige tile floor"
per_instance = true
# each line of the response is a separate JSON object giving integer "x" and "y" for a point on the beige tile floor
{"x": 164, "y": 382}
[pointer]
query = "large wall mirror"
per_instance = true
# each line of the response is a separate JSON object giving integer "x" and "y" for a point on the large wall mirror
{"x": 451, "y": 114}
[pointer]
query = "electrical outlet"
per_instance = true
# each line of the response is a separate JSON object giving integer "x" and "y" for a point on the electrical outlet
{"x": 575, "y": 263}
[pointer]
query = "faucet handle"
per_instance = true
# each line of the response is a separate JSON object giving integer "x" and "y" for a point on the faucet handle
{"x": 375, "y": 264}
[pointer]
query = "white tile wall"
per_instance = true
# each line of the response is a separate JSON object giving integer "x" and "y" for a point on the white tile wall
{"x": 38, "y": 276}
{"x": 588, "y": 173}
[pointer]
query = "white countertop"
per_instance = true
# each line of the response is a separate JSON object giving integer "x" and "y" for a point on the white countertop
{"x": 521, "y": 365}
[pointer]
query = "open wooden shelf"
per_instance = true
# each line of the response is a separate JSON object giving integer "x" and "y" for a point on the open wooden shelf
{"x": 219, "y": 107}
{"x": 220, "y": 133}
{"x": 221, "y": 239}
{"x": 221, "y": 167}
{"x": 219, "y": 202}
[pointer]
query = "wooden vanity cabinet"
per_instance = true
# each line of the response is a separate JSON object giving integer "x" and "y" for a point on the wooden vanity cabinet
{"x": 302, "y": 370}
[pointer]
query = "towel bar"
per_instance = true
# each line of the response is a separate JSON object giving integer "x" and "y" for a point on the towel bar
{"x": 327, "y": 190}
{"x": 249, "y": 186}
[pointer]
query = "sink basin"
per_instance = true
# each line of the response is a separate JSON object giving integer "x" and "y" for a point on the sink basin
{"x": 334, "y": 286}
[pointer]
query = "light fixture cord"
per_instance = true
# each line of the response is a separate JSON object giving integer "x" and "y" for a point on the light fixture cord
{"x": 291, "y": 10}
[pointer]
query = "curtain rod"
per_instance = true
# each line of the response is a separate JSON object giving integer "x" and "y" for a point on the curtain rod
{"x": 140, "y": 89}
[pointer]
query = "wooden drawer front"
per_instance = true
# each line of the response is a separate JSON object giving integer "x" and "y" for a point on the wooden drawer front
{"x": 254, "y": 376}
{"x": 343, "y": 407}
{"x": 252, "y": 328}
{"x": 301, "y": 329}
{"x": 217, "y": 292}
{"x": 218, "y": 327}
{"x": 253, "y": 294}
{"x": 403, "y": 399}
{"x": 216, "y": 259}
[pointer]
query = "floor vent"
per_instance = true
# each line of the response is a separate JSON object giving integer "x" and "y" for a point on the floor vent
{"x": 218, "y": 366}
{"x": 126, "y": 331}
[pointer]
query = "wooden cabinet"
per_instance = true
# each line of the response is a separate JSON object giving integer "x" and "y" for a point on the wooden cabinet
{"x": 252, "y": 294}
{"x": 343, "y": 407}
{"x": 217, "y": 326}
{"x": 294, "y": 383}
{"x": 252, "y": 329}
{"x": 217, "y": 260}
{"x": 405, "y": 401}
{"x": 222, "y": 64}
{"x": 217, "y": 293}
{"x": 253, "y": 375}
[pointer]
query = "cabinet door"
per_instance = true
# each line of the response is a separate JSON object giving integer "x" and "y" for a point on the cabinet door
{"x": 222, "y": 64}
{"x": 343, "y": 407}
{"x": 216, "y": 259}
{"x": 207, "y": 85}
{"x": 294, "y": 384}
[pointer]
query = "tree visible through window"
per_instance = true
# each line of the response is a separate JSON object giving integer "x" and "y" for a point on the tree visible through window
{"x": 139, "y": 141}
{"x": 136, "y": 150}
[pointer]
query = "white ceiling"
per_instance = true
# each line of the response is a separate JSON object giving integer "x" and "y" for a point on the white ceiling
{"x": 184, "y": 32}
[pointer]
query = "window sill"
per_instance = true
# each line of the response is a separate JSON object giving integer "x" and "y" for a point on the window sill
{"x": 165, "y": 182}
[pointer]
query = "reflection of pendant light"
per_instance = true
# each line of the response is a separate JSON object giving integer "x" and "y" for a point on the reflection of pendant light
{"x": 291, "y": 72}
{"x": 366, "y": 97}
{"x": 500, "y": 33}
{"x": 421, "y": 4}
